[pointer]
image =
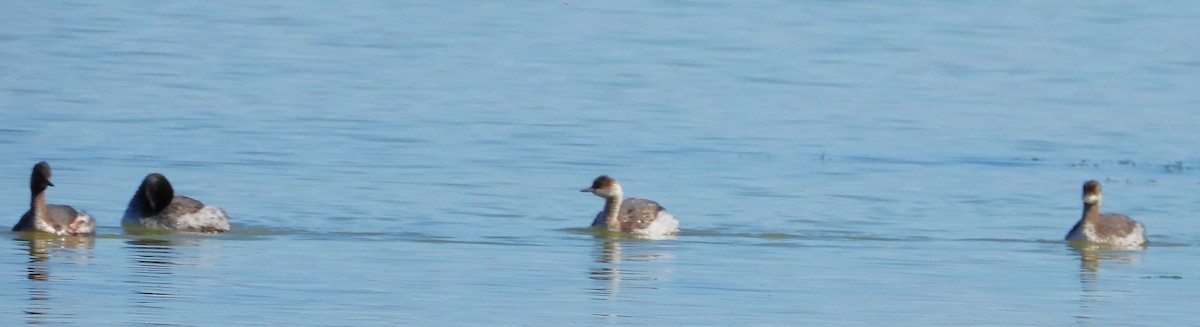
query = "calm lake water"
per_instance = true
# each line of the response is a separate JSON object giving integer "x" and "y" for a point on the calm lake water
{"x": 391, "y": 163}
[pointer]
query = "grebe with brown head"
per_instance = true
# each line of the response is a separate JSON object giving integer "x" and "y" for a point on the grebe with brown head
{"x": 1105, "y": 228}
{"x": 640, "y": 216}
{"x": 156, "y": 206}
{"x": 51, "y": 218}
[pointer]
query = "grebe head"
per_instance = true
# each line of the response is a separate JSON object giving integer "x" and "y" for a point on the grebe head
{"x": 605, "y": 187}
{"x": 157, "y": 191}
{"x": 40, "y": 178}
{"x": 1091, "y": 192}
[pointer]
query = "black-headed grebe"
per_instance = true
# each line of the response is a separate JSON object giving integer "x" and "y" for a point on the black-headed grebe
{"x": 640, "y": 216}
{"x": 156, "y": 206}
{"x": 51, "y": 218}
{"x": 1108, "y": 228}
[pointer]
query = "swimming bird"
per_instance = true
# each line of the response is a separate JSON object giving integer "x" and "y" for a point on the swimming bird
{"x": 51, "y": 218}
{"x": 639, "y": 216}
{"x": 1107, "y": 228}
{"x": 156, "y": 206}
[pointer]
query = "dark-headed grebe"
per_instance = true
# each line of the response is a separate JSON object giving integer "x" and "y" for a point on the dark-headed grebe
{"x": 639, "y": 216}
{"x": 1109, "y": 228}
{"x": 156, "y": 206}
{"x": 51, "y": 218}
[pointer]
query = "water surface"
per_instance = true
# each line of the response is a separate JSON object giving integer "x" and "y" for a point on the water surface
{"x": 831, "y": 163}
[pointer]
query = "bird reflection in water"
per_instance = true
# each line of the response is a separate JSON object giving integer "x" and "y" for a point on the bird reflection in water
{"x": 613, "y": 260}
{"x": 42, "y": 248}
{"x": 608, "y": 258}
{"x": 154, "y": 263}
{"x": 1091, "y": 255}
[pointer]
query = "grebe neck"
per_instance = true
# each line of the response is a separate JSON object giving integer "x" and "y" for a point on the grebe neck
{"x": 612, "y": 207}
{"x": 1091, "y": 211}
{"x": 37, "y": 204}
{"x": 41, "y": 218}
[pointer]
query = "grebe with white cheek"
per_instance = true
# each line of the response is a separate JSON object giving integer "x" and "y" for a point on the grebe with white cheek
{"x": 1105, "y": 228}
{"x": 640, "y": 216}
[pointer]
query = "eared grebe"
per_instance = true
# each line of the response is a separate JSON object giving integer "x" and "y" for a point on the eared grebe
{"x": 51, "y": 218}
{"x": 1109, "y": 228}
{"x": 640, "y": 216}
{"x": 156, "y": 206}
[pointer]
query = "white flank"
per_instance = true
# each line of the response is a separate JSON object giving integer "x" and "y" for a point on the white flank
{"x": 663, "y": 226}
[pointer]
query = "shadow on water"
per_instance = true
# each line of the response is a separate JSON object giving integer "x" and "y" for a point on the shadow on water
{"x": 42, "y": 248}
{"x": 237, "y": 232}
{"x": 825, "y": 238}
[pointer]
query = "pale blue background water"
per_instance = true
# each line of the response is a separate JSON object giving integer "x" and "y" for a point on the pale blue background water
{"x": 387, "y": 163}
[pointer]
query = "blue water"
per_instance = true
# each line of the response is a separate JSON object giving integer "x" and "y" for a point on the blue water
{"x": 386, "y": 163}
